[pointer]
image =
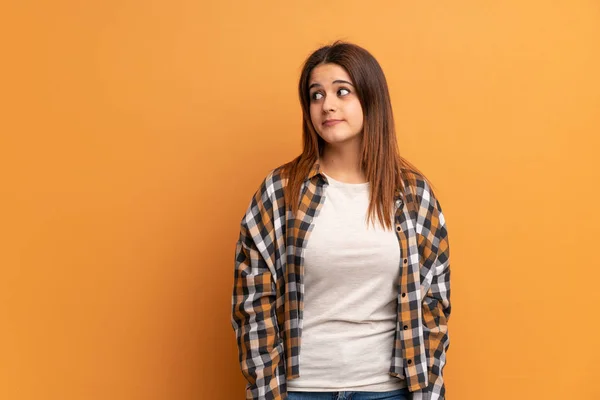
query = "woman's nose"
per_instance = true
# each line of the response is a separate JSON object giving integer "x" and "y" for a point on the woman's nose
{"x": 329, "y": 103}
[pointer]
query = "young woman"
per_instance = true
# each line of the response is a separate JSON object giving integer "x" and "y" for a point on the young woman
{"x": 342, "y": 274}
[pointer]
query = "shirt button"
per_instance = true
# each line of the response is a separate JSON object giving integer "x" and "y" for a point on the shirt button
{"x": 403, "y": 294}
{"x": 409, "y": 362}
{"x": 406, "y": 261}
{"x": 398, "y": 203}
{"x": 405, "y": 327}
{"x": 398, "y": 228}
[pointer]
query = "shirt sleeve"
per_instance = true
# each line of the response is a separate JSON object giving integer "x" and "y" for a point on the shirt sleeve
{"x": 261, "y": 351}
{"x": 436, "y": 302}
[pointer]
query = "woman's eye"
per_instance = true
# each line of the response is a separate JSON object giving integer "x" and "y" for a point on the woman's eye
{"x": 343, "y": 92}
{"x": 316, "y": 96}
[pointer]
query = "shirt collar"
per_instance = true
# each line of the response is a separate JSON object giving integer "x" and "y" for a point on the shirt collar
{"x": 314, "y": 170}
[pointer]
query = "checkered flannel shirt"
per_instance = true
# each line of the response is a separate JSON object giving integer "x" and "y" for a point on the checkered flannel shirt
{"x": 267, "y": 301}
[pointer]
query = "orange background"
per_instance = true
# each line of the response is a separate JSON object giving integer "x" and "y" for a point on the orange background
{"x": 133, "y": 134}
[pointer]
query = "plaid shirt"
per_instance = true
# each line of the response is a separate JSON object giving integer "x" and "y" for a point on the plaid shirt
{"x": 268, "y": 287}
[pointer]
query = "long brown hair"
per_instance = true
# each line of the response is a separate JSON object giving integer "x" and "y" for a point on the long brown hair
{"x": 381, "y": 162}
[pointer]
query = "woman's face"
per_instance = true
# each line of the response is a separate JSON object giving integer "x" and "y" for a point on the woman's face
{"x": 335, "y": 110}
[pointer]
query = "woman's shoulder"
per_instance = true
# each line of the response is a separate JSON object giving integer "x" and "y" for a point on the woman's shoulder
{"x": 271, "y": 188}
{"x": 417, "y": 188}
{"x": 278, "y": 177}
{"x": 412, "y": 178}
{"x": 275, "y": 180}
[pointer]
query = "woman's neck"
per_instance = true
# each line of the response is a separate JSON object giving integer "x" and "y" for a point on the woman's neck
{"x": 342, "y": 163}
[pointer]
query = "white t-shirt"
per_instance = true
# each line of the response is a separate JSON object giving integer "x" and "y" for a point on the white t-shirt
{"x": 350, "y": 297}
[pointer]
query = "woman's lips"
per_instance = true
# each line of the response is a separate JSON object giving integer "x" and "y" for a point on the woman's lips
{"x": 332, "y": 122}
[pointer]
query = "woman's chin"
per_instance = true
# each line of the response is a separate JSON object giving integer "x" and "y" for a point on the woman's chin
{"x": 338, "y": 139}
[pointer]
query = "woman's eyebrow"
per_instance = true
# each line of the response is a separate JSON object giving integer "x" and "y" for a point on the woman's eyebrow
{"x": 342, "y": 81}
{"x": 336, "y": 81}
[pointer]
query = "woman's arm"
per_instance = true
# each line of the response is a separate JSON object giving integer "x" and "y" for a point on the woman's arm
{"x": 253, "y": 304}
{"x": 436, "y": 302}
